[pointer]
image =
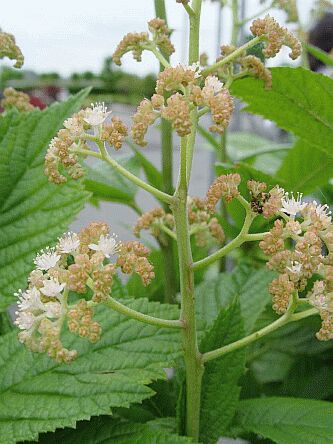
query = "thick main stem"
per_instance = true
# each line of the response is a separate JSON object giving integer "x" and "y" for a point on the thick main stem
{"x": 192, "y": 357}
{"x": 193, "y": 364}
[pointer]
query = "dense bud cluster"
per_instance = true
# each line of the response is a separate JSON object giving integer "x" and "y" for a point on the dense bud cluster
{"x": 276, "y": 36}
{"x": 8, "y": 48}
{"x": 61, "y": 152}
{"x": 225, "y": 187}
{"x": 183, "y": 83}
{"x": 203, "y": 225}
{"x": 300, "y": 249}
{"x": 16, "y": 99}
{"x": 79, "y": 263}
{"x": 254, "y": 66}
{"x": 137, "y": 42}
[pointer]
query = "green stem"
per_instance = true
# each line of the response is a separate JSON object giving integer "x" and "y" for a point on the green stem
{"x": 189, "y": 10}
{"x": 242, "y": 237}
{"x": 235, "y": 24}
{"x": 163, "y": 61}
{"x": 229, "y": 58}
{"x": 285, "y": 319}
{"x": 167, "y": 230}
{"x": 130, "y": 313}
{"x": 124, "y": 172}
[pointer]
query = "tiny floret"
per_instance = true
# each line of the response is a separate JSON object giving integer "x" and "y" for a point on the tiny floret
{"x": 107, "y": 245}
{"x": 69, "y": 243}
{"x": 291, "y": 205}
{"x": 52, "y": 288}
{"x": 46, "y": 259}
{"x": 97, "y": 114}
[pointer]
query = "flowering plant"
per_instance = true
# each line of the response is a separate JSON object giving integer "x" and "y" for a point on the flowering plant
{"x": 92, "y": 342}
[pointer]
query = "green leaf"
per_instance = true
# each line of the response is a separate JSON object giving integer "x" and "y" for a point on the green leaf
{"x": 107, "y": 184}
{"x": 288, "y": 420}
{"x": 33, "y": 211}
{"x": 153, "y": 175}
{"x": 319, "y": 54}
{"x": 305, "y": 168}
{"x": 300, "y": 101}
{"x": 220, "y": 389}
{"x": 106, "y": 430}
{"x": 38, "y": 395}
{"x": 246, "y": 283}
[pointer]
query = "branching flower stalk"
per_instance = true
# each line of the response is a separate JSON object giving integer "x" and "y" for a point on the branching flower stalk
{"x": 77, "y": 274}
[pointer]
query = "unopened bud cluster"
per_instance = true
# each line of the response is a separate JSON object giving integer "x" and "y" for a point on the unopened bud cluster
{"x": 185, "y": 88}
{"x": 300, "y": 246}
{"x": 224, "y": 187}
{"x": 61, "y": 154}
{"x": 16, "y": 99}
{"x": 9, "y": 48}
{"x": 203, "y": 225}
{"x": 79, "y": 263}
{"x": 276, "y": 36}
{"x": 137, "y": 42}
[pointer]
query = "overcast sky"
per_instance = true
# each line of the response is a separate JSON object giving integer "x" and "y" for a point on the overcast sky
{"x": 76, "y": 35}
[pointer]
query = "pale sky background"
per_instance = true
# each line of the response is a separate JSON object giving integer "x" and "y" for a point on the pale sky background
{"x": 76, "y": 35}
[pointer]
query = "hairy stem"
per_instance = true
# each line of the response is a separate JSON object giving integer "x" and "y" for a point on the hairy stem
{"x": 130, "y": 313}
{"x": 103, "y": 155}
{"x": 229, "y": 58}
{"x": 242, "y": 237}
{"x": 193, "y": 365}
{"x": 283, "y": 320}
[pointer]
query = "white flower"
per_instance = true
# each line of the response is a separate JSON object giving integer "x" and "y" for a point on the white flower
{"x": 213, "y": 84}
{"x": 291, "y": 205}
{"x": 296, "y": 267}
{"x": 195, "y": 67}
{"x": 52, "y": 309}
{"x": 323, "y": 212}
{"x": 25, "y": 320}
{"x": 52, "y": 288}
{"x": 108, "y": 245}
{"x": 97, "y": 114}
{"x": 46, "y": 259}
{"x": 29, "y": 300}
{"x": 74, "y": 126}
{"x": 68, "y": 243}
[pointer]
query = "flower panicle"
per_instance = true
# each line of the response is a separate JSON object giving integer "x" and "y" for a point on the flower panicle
{"x": 9, "y": 48}
{"x": 84, "y": 263}
{"x": 137, "y": 42}
{"x": 276, "y": 37}
{"x": 16, "y": 99}
{"x": 61, "y": 155}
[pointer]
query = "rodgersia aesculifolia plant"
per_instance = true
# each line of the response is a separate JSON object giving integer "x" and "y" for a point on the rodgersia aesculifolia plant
{"x": 76, "y": 275}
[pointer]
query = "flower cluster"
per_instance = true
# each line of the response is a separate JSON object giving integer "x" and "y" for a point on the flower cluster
{"x": 8, "y": 48}
{"x": 16, "y": 99}
{"x": 61, "y": 152}
{"x": 183, "y": 83}
{"x": 78, "y": 264}
{"x": 137, "y": 42}
{"x": 276, "y": 36}
{"x": 300, "y": 247}
{"x": 226, "y": 187}
{"x": 203, "y": 226}
{"x": 262, "y": 202}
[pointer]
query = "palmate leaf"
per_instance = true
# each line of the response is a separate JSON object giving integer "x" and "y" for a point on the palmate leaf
{"x": 305, "y": 168}
{"x": 300, "y": 101}
{"x": 38, "y": 395}
{"x": 220, "y": 389}
{"x": 33, "y": 212}
{"x": 246, "y": 283}
{"x": 106, "y": 430}
{"x": 287, "y": 420}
